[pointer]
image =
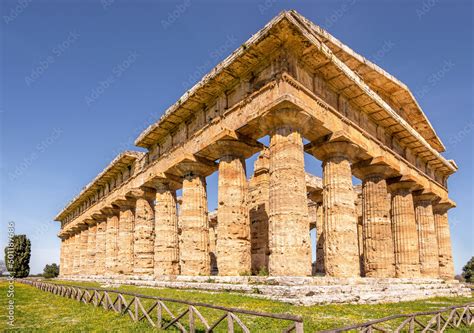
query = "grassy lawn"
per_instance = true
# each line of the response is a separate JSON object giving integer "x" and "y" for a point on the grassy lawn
{"x": 46, "y": 312}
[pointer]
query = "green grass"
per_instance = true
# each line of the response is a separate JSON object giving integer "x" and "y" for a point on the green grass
{"x": 42, "y": 311}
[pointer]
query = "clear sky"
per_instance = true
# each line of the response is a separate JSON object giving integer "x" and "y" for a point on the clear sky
{"x": 81, "y": 79}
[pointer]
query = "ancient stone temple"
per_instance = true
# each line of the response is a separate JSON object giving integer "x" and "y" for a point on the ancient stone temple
{"x": 308, "y": 93}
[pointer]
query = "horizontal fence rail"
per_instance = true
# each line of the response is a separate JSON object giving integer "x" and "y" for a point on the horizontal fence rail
{"x": 452, "y": 317}
{"x": 157, "y": 312}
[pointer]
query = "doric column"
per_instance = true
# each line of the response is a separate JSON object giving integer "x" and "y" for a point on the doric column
{"x": 194, "y": 247}
{"x": 317, "y": 197}
{"x": 62, "y": 253}
{"x": 427, "y": 241}
{"x": 91, "y": 241}
{"x": 83, "y": 249}
{"x": 259, "y": 188}
{"x": 76, "y": 269}
{"x": 111, "y": 240}
{"x": 233, "y": 227}
{"x": 289, "y": 239}
{"x": 405, "y": 235}
{"x": 340, "y": 220}
{"x": 377, "y": 238}
{"x": 443, "y": 236}
{"x": 166, "y": 250}
{"x": 144, "y": 236}
{"x": 125, "y": 235}
{"x": 100, "y": 247}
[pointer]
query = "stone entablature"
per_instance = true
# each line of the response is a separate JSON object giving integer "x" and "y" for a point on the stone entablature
{"x": 291, "y": 82}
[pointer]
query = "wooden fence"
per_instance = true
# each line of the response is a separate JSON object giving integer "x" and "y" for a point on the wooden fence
{"x": 453, "y": 317}
{"x": 156, "y": 310}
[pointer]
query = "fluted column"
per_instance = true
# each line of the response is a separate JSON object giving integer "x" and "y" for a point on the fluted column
{"x": 427, "y": 241}
{"x": 258, "y": 212}
{"x": 125, "y": 240}
{"x": 233, "y": 227}
{"x": 379, "y": 260}
{"x": 341, "y": 252}
{"x": 83, "y": 250}
{"x": 166, "y": 232}
{"x": 443, "y": 236}
{"x": 76, "y": 270}
{"x": 100, "y": 247}
{"x": 144, "y": 235}
{"x": 91, "y": 241}
{"x": 289, "y": 239}
{"x": 194, "y": 247}
{"x": 111, "y": 240}
{"x": 317, "y": 198}
{"x": 405, "y": 235}
{"x": 62, "y": 252}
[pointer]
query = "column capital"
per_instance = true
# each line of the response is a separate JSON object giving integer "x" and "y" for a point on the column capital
{"x": 110, "y": 211}
{"x": 192, "y": 165}
{"x": 331, "y": 149}
{"x": 124, "y": 203}
{"x": 141, "y": 193}
{"x": 442, "y": 206}
{"x": 373, "y": 167}
{"x": 422, "y": 195}
{"x": 163, "y": 181}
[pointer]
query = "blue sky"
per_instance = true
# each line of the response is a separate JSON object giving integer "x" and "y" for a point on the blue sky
{"x": 81, "y": 79}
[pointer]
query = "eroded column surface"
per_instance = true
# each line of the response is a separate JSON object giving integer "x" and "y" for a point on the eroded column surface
{"x": 76, "y": 270}
{"x": 83, "y": 250}
{"x": 443, "y": 235}
{"x": 233, "y": 228}
{"x": 379, "y": 258}
{"x": 289, "y": 240}
{"x": 340, "y": 220}
{"x": 62, "y": 252}
{"x": 405, "y": 235}
{"x": 317, "y": 198}
{"x": 143, "y": 247}
{"x": 100, "y": 247}
{"x": 259, "y": 188}
{"x": 166, "y": 232}
{"x": 427, "y": 241}
{"x": 194, "y": 247}
{"x": 91, "y": 241}
{"x": 125, "y": 240}
{"x": 111, "y": 248}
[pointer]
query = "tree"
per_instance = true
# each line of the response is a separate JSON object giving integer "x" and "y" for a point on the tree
{"x": 17, "y": 256}
{"x": 468, "y": 271}
{"x": 51, "y": 271}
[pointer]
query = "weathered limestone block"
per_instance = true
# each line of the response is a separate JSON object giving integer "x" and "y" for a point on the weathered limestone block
{"x": 111, "y": 249}
{"x": 427, "y": 242}
{"x": 144, "y": 247}
{"x": 340, "y": 220}
{"x": 100, "y": 247}
{"x": 379, "y": 258}
{"x": 443, "y": 235}
{"x": 259, "y": 195}
{"x": 166, "y": 232}
{"x": 194, "y": 247}
{"x": 91, "y": 241}
{"x": 405, "y": 235}
{"x": 233, "y": 229}
{"x": 289, "y": 239}
{"x": 125, "y": 240}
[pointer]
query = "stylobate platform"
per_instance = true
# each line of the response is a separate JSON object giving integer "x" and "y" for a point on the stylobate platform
{"x": 301, "y": 290}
